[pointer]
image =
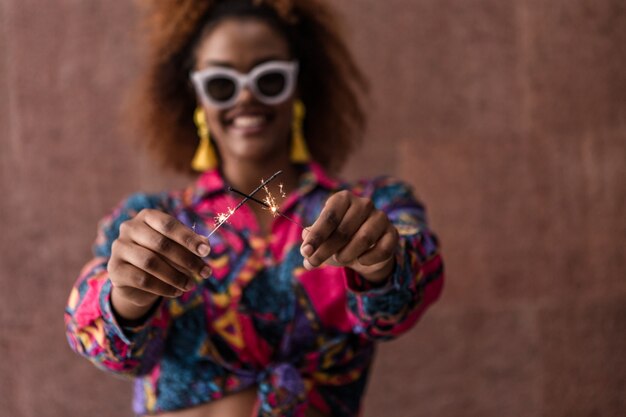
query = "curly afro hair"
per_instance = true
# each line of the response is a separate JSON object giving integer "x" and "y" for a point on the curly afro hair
{"x": 330, "y": 83}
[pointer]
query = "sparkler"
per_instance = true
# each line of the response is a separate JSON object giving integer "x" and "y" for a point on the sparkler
{"x": 222, "y": 218}
{"x": 269, "y": 203}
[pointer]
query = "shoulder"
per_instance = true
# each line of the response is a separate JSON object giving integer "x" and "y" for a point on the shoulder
{"x": 129, "y": 206}
{"x": 382, "y": 188}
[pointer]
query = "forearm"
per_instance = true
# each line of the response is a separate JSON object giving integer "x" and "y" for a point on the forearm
{"x": 389, "y": 307}
{"x": 387, "y": 310}
{"x": 94, "y": 332}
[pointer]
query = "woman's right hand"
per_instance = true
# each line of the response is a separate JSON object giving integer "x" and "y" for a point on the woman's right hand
{"x": 154, "y": 256}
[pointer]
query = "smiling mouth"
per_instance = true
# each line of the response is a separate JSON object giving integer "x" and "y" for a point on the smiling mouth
{"x": 248, "y": 122}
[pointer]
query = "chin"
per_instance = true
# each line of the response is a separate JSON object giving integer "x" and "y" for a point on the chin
{"x": 254, "y": 153}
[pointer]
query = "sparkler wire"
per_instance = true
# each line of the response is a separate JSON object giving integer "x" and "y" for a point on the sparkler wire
{"x": 242, "y": 202}
{"x": 264, "y": 204}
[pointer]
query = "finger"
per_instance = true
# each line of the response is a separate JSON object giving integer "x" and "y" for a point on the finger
{"x": 175, "y": 254}
{"x": 384, "y": 249}
{"x": 365, "y": 238}
{"x": 328, "y": 220}
{"x": 134, "y": 296}
{"x": 341, "y": 236}
{"x": 140, "y": 285}
{"x": 176, "y": 231}
{"x": 153, "y": 264}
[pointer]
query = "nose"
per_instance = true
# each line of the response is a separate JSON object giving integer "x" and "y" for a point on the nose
{"x": 246, "y": 96}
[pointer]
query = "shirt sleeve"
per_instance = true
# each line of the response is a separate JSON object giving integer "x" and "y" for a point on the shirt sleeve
{"x": 91, "y": 326}
{"x": 383, "y": 312}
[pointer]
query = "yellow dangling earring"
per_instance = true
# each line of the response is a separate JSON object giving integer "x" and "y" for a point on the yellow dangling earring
{"x": 205, "y": 157}
{"x": 299, "y": 152}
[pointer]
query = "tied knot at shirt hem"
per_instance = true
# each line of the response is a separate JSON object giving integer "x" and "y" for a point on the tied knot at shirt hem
{"x": 281, "y": 390}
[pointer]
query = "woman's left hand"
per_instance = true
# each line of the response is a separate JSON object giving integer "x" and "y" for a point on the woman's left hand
{"x": 351, "y": 232}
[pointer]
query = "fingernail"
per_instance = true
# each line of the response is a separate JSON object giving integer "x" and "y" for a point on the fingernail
{"x": 203, "y": 249}
{"x": 307, "y": 265}
{"x": 178, "y": 293}
{"x": 206, "y": 271}
{"x": 307, "y": 250}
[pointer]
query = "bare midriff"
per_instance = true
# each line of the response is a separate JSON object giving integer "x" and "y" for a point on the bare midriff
{"x": 240, "y": 404}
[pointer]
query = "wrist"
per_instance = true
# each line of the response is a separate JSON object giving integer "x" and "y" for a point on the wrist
{"x": 380, "y": 274}
{"x": 128, "y": 313}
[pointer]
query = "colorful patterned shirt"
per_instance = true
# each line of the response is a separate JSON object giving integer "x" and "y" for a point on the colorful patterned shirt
{"x": 302, "y": 338}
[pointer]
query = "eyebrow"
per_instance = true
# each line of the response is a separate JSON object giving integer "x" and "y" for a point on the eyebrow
{"x": 227, "y": 64}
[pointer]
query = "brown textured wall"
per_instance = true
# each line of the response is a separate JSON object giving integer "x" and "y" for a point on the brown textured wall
{"x": 509, "y": 117}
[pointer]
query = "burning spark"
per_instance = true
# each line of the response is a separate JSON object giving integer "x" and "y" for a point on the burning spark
{"x": 270, "y": 202}
{"x": 282, "y": 192}
{"x": 222, "y": 218}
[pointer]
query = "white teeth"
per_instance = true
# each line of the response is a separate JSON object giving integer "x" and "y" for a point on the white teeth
{"x": 248, "y": 121}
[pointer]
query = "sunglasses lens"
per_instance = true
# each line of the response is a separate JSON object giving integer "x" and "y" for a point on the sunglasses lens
{"x": 220, "y": 88}
{"x": 271, "y": 84}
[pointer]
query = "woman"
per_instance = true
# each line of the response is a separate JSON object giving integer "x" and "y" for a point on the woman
{"x": 264, "y": 317}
